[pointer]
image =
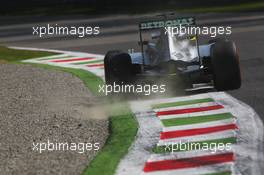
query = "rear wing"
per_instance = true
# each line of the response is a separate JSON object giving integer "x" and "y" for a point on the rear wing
{"x": 162, "y": 23}
{"x": 156, "y": 24}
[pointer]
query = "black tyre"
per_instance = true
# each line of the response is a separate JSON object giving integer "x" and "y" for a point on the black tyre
{"x": 118, "y": 67}
{"x": 109, "y": 75}
{"x": 225, "y": 65}
{"x": 217, "y": 40}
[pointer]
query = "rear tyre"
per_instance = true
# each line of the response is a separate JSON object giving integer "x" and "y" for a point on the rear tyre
{"x": 118, "y": 67}
{"x": 211, "y": 41}
{"x": 225, "y": 64}
{"x": 109, "y": 75}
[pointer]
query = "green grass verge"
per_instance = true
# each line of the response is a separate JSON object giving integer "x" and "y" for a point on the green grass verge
{"x": 122, "y": 124}
{"x": 194, "y": 120}
{"x": 17, "y": 55}
{"x": 235, "y": 7}
{"x": 193, "y": 145}
{"x": 123, "y": 129}
{"x": 221, "y": 173}
{"x": 74, "y": 9}
{"x": 251, "y": 6}
{"x": 181, "y": 103}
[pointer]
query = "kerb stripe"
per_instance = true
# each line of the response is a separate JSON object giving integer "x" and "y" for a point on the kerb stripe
{"x": 182, "y": 103}
{"x": 188, "y": 162}
{"x": 189, "y": 110}
{"x": 199, "y": 131}
{"x": 71, "y": 60}
{"x": 95, "y": 65}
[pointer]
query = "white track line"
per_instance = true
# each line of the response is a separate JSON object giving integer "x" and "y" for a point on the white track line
{"x": 53, "y": 56}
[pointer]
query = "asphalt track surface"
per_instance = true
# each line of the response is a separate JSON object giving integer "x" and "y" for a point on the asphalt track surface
{"x": 120, "y": 32}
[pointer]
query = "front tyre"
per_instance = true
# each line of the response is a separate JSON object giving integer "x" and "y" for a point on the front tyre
{"x": 225, "y": 65}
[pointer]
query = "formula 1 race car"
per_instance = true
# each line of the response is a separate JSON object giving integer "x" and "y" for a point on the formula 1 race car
{"x": 215, "y": 64}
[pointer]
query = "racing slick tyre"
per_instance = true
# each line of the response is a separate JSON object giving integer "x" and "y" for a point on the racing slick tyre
{"x": 225, "y": 65}
{"x": 217, "y": 40}
{"x": 109, "y": 75}
{"x": 118, "y": 67}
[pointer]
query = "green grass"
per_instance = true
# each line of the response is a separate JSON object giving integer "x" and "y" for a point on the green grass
{"x": 181, "y": 103}
{"x": 122, "y": 124}
{"x": 123, "y": 129}
{"x": 192, "y": 145}
{"x": 236, "y": 7}
{"x": 251, "y": 6}
{"x": 221, "y": 173}
{"x": 10, "y": 55}
{"x": 194, "y": 120}
{"x": 75, "y": 9}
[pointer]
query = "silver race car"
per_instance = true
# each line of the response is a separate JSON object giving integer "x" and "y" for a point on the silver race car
{"x": 212, "y": 65}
